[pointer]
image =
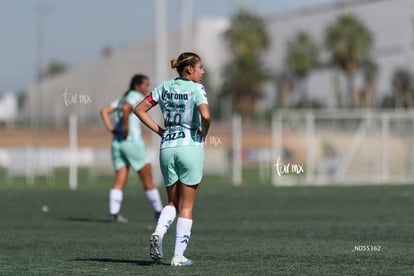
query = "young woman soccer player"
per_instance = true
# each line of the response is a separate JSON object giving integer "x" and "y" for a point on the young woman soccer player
{"x": 128, "y": 149}
{"x": 186, "y": 115}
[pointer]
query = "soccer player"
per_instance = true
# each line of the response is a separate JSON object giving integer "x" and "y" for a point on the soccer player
{"x": 128, "y": 148}
{"x": 184, "y": 106}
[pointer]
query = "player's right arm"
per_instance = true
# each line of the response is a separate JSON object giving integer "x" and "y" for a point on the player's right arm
{"x": 142, "y": 112}
{"x": 105, "y": 112}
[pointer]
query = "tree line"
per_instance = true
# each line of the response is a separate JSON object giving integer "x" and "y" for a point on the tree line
{"x": 347, "y": 40}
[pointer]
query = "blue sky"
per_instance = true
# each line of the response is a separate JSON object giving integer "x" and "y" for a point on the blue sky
{"x": 78, "y": 30}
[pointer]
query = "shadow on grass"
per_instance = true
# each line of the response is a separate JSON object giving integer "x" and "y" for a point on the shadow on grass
{"x": 122, "y": 261}
{"x": 81, "y": 219}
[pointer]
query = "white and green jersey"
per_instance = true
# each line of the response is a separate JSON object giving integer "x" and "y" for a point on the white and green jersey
{"x": 134, "y": 134}
{"x": 179, "y": 100}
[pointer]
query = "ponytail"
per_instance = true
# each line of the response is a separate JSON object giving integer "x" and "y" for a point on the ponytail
{"x": 184, "y": 60}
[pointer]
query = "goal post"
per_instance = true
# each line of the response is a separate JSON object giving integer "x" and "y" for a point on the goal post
{"x": 73, "y": 151}
{"x": 236, "y": 150}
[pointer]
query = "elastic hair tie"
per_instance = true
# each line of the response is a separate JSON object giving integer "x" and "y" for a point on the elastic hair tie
{"x": 174, "y": 63}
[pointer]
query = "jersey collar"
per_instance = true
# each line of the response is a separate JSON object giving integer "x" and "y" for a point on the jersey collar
{"x": 181, "y": 78}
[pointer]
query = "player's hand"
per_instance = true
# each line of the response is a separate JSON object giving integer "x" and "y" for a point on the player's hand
{"x": 125, "y": 132}
{"x": 201, "y": 133}
{"x": 161, "y": 131}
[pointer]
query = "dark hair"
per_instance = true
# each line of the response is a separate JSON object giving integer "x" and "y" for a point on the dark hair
{"x": 184, "y": 60}
{"x": 137, "y": 79}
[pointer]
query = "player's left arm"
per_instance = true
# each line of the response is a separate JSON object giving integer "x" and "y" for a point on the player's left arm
{"x": 142, "y": 112}
{"x": 126, "y": 110}
{"x": 202, "y": 105}
{"x": 205, "y": 119}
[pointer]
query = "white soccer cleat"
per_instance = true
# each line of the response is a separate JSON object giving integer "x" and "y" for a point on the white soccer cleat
{"x": 181, "y": 261}
{"x": 156, "y": 248}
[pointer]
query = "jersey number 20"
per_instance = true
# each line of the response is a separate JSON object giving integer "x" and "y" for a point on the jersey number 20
{"x": 171, "y": 121}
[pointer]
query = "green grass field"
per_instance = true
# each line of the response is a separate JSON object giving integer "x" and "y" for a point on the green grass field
{"x": 256, "y": 229}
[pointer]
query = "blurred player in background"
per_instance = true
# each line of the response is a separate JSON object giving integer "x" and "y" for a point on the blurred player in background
{"x": 186, "y": 115}
{"x": 128, "y": 148}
